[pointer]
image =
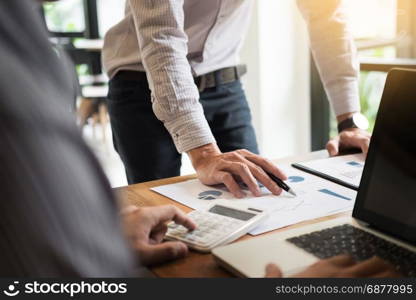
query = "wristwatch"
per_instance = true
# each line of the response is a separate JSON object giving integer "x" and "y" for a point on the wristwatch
{"x": 357, "y": 120}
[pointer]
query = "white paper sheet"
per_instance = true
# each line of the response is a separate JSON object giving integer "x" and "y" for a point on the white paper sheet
{"x": 347, "y": 168}
{"x": 317, "y": 197}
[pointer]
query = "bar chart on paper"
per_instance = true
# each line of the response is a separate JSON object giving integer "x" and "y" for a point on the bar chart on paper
{"x": 317, "y": 197}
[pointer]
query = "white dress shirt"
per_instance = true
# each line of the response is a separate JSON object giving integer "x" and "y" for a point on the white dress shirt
{"x": 174, "y": 40}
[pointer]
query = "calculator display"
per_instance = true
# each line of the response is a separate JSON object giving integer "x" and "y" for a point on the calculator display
{"x": 233, "y": 213}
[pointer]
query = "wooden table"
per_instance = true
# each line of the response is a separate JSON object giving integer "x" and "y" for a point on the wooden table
{"x": 197, "y": 264}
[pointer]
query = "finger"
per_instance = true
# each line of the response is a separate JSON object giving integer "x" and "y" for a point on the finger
{"x": 166, "y": 213}
{"x": 342, "y": 260}
{"x": 365, "y": 145}
{"x": 258, "y": 167}
{"x": 265, "y": 179}
{"x": 158, "y": 233}
{"x": 264, "y": 163}
{"x": 230, "y": 183}
{"x": 273, "y": 271}
{"x": 242, "y": 170}
{"x": 156, "y": 254}
{"x": 333, "y": 147}
{"x": 355, "y": 139}
{"x": 370, "y": 267}
{"x": 351, "y": 139}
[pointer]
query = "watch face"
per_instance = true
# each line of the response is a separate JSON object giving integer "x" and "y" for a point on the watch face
{"x": 360, "y": 121}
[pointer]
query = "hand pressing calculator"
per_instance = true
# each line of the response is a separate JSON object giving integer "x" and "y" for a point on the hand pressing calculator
{"x": 222, "y": 223}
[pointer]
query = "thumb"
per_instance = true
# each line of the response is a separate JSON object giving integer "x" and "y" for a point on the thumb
{"x": 273, "y": 271}
{"x": 333, "y": 147}
{"x": 156, "y": 254}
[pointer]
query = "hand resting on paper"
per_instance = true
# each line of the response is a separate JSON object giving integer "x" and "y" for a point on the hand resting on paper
{"x": 214, "y": 167}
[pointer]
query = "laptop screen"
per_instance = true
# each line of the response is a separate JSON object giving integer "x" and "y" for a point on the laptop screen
{"x": 387, "y": 196}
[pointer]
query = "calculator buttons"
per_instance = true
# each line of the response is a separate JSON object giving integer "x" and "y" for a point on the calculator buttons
{"x": 212, "y": 229}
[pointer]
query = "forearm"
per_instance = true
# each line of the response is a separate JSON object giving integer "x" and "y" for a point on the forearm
{"x": 163, "y": 43}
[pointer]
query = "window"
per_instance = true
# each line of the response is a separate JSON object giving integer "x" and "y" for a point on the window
{"x": 72, "y": 23}
{"x": 374, "y": 27}
{"x": 373, "y": 19}
{"x": 385, "y": 35}
{"x": 75, "y": 16}
{"x": 109, "y": 13}
{"x": 65, "y": 16}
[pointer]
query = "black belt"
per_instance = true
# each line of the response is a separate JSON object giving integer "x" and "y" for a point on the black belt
{"x": 205, "y": 81}
{"x": 222, "y": 76}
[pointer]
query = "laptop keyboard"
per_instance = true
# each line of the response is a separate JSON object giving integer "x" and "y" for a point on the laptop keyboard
{"x": 361, "y": 245}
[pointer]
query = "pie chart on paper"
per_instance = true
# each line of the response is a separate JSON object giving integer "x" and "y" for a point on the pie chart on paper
{"x": 209, "y": 195}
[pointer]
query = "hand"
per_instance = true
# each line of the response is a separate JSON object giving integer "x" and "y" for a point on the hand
{"x": 146, "y": 227}
{"x": 342, "y": 266}
{"x": 214, "y": 167}
{"x": 347, "y": 139}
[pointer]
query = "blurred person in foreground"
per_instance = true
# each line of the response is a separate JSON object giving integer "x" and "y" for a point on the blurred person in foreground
{"x": 58, "y": 215}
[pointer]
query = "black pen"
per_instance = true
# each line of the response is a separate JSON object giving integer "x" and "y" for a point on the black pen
{"x": 281, "y": 184}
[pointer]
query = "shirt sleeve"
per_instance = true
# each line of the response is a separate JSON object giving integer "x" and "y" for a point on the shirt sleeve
{"x": 58, "y": 215}
{"x": 163, "y": 43}
{"x": 334, "y": 51}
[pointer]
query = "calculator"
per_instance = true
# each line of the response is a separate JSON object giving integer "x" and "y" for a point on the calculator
{"x": 220, "y": 224}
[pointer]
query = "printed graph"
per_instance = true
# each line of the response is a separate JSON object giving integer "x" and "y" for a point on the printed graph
{"x": 209, "y": 195}
{"x": 331, "y": 193}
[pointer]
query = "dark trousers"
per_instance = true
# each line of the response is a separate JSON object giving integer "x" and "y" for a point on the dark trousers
{"x": 144, "y": 144}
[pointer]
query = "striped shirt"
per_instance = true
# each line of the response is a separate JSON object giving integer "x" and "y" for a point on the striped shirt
{"x": 174, "y": 40}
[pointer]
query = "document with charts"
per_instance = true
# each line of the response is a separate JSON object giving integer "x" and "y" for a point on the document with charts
{"x": 345, "y": 170}
{"x": 317, "y": 197}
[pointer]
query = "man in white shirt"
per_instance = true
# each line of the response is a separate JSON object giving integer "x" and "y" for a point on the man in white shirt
{"x": 175, "y": 88}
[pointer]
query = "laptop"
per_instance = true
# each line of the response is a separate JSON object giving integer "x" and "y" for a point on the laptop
{"x": 383, "y": 221}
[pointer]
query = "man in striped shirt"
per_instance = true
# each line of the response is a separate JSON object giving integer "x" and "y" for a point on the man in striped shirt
{"x": 175, "y": 88}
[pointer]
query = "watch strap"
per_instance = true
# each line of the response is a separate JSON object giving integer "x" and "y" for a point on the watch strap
{"x": 346, "y": 124}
